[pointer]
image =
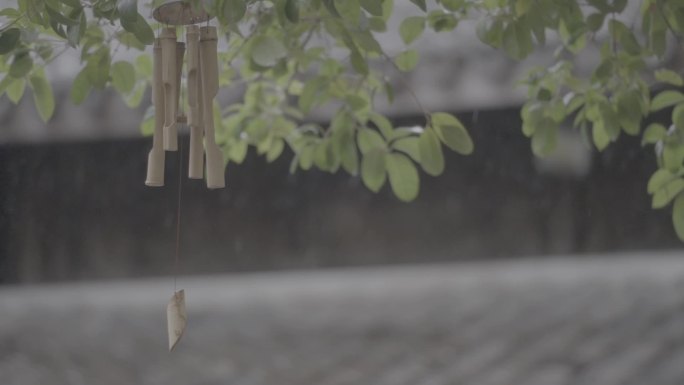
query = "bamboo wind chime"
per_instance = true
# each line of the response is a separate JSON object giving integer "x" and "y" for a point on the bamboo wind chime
{"x": 202, "y": 86}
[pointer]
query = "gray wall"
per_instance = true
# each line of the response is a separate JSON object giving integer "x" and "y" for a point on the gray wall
{"x": 81, "y": 211}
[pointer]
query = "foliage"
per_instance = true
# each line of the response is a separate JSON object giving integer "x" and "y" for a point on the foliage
{"x": 296, "y": 57}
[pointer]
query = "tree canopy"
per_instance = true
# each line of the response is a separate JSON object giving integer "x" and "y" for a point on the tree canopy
{"x": 295, "y": 56}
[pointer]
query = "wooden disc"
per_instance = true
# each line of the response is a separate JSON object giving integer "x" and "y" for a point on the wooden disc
{"x": 179, "y": 13}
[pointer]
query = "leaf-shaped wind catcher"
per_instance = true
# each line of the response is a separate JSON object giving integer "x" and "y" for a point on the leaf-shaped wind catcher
{"x": 176, "y": 318}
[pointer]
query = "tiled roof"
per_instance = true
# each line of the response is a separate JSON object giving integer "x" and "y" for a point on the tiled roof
{"x": 604, "y": 321}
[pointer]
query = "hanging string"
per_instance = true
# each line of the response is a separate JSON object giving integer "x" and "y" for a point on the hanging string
{"x": 180, "y": 189}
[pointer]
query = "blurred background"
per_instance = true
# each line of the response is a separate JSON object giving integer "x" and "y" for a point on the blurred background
{"x": 507, "y": 269}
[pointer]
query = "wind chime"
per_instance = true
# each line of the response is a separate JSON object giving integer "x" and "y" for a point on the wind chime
{"x": 202, "y": 86}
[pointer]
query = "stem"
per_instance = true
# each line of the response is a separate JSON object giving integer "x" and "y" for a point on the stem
{"x": 407, "y": 86}
{"x": 15, "y": 21}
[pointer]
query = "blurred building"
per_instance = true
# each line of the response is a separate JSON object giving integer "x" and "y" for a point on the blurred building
{"x": 73, "y": 204}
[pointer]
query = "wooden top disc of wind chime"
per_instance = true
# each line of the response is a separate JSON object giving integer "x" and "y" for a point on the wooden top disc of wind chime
{"x": 178, "y": 12}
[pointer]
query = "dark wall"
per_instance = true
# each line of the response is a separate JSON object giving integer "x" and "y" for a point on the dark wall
{"x": 81, "y": 211}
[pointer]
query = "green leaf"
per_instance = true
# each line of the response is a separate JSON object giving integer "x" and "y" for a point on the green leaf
{"x": 409, "y": 146}
{"x": 544, "y": 139}
{"x": 98, "y": 68}
{"x": 356, "y": 102}
{"x": 387, "y": 8}
{"x": 367, "y": 42}
{"x": 572, "y": 32}
{"x": 444, "y": 119}
{"x": 147, "y": 123}
{"x": 310, "y": 94}
{"x": 624, "y": 36}
{"x": 629, "y": 112}
{"x": 411, "y": 28}
{"x": 609, "y": 120}
{"x": 595, "y": 21}
{"x": 374, "y": 7}
{"x": 666, "y": 99}
{"x": 403, "y": 176}
{"x": 678, "y": 116}
{"x": 292, "y": 10}
{"x": 275, "y": 150}
{"x": 349, "y": 10}
{"x": 368, "y": 140}
{"x": 373, "y": 170}
{"x": 6, "y": 82}
{"x": 669, "y": 76}
{"x": 325, "y": 157}
{"x": 654, "y": 133}
{"x": 267, "y": 50}
{"x": 76, "y": 32}
{"x": 349, "y": 158}
{"x": 673, "y": 156}
{"x": 306, "y": 157}
{"x": 431, "y": 156}
{"x": 330, "y": 6}
{"x": 123, "y": 76}
{"x": 233, "y": 11}
{"x": 134, "y": 99}
{"x": 58, "y": 18}
{"x": 128, "y": 10}
{"x": 600, "y": 136}
{"x": 15, "y": 90}
{"x": 358, "y": 62}
{"x": 143, "y": 65}
{"x": 517, "y": 40}
{"x": 441, "y": 21}
{"x": 406, "y": 60}
{"x": 666, "y": 193}
{"x": 678, "y": 216}
{"x": 659, "y": 179}
{"x": 238, "y": 151}
{"x": 490, "y": 31}
{"x": 522, "y": 6}
{"x": 21, "y": 65}
{"x": 382, "y": 123}
{"x": 377, "y": 24}
{"x": 452, "y": 133}
{"x": 42, "y": 95}
{"x": 421, "y": 4}
{"x": 9, "y": 40}
{"x": 80, "y": 88}
{"x": 142, "y": 31}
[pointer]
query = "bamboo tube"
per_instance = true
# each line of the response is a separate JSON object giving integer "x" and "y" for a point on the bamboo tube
{"x": 176, "y": 318}
{"x": 196, "y": 158}
{"x": 180, "y": 54}
{"x": 155, "y": 159}
{"x": 169, "y": 76}
{"x": 209, "y": 63}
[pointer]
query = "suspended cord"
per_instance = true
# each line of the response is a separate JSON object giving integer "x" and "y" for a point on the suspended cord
{"x": 180, "y": 187}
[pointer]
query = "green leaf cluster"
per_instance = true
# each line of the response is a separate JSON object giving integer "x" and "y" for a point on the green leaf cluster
{"x": 297, "y": 60}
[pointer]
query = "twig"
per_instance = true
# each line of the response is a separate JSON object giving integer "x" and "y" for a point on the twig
{"x": 407, "y": 86}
